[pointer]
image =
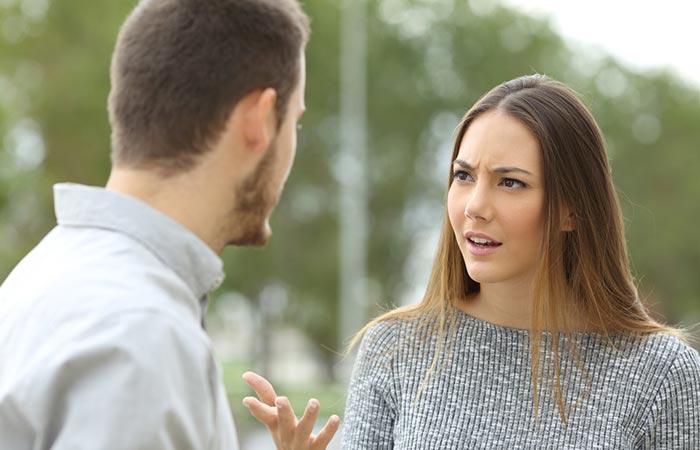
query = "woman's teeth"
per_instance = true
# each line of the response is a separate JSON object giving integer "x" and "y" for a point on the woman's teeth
{"x": 482, "y": 242}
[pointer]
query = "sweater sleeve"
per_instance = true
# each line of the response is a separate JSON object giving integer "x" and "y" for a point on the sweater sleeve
{"x": 371, "y": 408}
{"x": 673, "y": 421}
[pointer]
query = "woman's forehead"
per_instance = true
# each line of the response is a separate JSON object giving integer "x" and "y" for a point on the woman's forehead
{"x": 498, "y": 139}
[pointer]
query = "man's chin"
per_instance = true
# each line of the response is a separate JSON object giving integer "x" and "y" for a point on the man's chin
{"x": 264, "y": 235}
{"x": 253, "y": 237}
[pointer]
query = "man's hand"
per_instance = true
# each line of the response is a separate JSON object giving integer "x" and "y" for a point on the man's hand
{"x": 277, "y": 415}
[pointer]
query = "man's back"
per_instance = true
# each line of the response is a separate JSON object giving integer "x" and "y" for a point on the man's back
{"x": 100, "y": 337}
{"x": 101, "y": 342}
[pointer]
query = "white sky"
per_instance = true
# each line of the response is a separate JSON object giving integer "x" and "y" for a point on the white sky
{"x": 641, "y": 34}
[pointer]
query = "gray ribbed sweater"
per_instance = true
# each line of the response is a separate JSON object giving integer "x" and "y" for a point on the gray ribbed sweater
{"x": 644, "y": 394}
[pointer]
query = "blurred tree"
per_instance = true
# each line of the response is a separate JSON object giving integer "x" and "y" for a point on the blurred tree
{"x": 428, "y": 62}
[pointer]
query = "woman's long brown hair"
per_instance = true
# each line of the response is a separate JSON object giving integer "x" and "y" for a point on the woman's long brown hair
{"x": 584, "y": 273}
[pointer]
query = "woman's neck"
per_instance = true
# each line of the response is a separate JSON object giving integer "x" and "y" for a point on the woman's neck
{"x": 507, "y": 305}
{"x": 510, "y": 305}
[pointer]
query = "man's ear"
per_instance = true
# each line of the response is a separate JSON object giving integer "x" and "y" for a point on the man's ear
{"x": 257, "y": 118}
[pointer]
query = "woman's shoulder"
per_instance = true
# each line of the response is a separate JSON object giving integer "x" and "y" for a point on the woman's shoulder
{"x": 381, "y": 334}
{"x": 678, "y": 353}
{"x": 663, "y": 356}
{"x": 664, "y": 348}
{"x": 672, "y": 368}
{"x": 392, "y": 331}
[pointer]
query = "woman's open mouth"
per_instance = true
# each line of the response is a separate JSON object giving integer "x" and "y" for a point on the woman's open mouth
{"x": 480, "y": 244}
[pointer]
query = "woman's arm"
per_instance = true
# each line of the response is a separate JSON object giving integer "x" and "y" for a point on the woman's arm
{"x": 371, "y": 409}
{"x": 276, "y": 413}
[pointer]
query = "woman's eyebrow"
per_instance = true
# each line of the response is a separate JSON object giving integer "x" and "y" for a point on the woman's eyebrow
{"x": 506, "y": 169}
{"x": 509, "y": 170}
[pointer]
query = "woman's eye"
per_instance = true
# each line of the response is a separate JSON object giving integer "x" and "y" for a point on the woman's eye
{"x": 512, "y": 183}
{"x": 461, "y": 175}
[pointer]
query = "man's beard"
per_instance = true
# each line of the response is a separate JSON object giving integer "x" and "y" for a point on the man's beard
{"x": 256, "y": 197}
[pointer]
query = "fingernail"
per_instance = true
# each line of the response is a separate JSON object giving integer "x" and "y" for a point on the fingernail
{"x": 246, "y": 402}
{"x": 313, "y": 405}
{"x": 281, "y": 402}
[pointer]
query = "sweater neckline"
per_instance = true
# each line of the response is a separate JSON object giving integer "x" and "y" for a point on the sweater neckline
{"x": 517, "y": 332}
{"x": 490, "y": 326}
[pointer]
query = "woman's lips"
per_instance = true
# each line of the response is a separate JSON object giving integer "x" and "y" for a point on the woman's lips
{"x": 481, "y": 250}
{"x": 480, "y": 244}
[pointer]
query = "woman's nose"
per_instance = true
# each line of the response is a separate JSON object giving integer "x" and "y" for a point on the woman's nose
{"x": 478, "y": 205}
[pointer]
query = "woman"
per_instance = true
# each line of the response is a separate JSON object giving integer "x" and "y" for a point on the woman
{"x": 531, "y": 333}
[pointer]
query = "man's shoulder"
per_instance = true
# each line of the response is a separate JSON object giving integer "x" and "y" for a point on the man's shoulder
{"x": 47, "y": 320}
{"x": 90, "y": 273}
{"x": 69, "y": 253}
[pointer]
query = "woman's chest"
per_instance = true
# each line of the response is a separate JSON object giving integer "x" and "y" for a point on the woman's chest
{"x": 485, "y": 427}
{"x": 494, "y": 409}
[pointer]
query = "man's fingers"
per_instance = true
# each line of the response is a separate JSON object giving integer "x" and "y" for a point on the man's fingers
{"x": 306, "y": 424}
{"x": 323, "y": 438}
{"x": 286, "y": 418}
{"x": 264, "y": 413}
{"x": 262, "y": 387}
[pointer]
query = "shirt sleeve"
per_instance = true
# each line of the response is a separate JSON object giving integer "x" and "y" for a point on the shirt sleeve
{"x": 371, "y": 408}
{"x": 674, "y": 418}
{"x": 140, "y": 381}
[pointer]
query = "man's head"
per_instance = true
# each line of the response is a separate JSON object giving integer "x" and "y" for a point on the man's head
{"x": 257, "y": 193}
{"x": 181, "y": 71}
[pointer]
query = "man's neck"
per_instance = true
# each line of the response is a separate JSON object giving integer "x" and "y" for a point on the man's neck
{"x": 180, "y": 197}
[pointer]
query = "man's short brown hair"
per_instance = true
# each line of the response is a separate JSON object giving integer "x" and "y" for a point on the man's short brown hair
{"x": 180, "y": 66}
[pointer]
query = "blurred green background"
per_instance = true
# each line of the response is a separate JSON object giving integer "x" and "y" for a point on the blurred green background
{"x": 427, "y": 62}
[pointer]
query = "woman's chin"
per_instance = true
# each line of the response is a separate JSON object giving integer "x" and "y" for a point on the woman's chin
{"x": 480, "y": 273}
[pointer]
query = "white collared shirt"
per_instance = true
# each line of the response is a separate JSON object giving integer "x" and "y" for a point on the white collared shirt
{"x": 101, "y": 344}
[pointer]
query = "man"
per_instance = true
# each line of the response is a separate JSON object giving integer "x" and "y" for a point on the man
{"x": 101, "y": 344}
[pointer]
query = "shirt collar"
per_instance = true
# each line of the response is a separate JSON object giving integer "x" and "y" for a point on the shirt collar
{"x": 170, "y": 241}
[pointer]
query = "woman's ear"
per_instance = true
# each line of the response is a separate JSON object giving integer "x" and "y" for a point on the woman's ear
{"x": 568, "y": 220}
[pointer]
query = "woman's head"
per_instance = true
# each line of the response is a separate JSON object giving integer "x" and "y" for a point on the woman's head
{"x": 538, "y": 125}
